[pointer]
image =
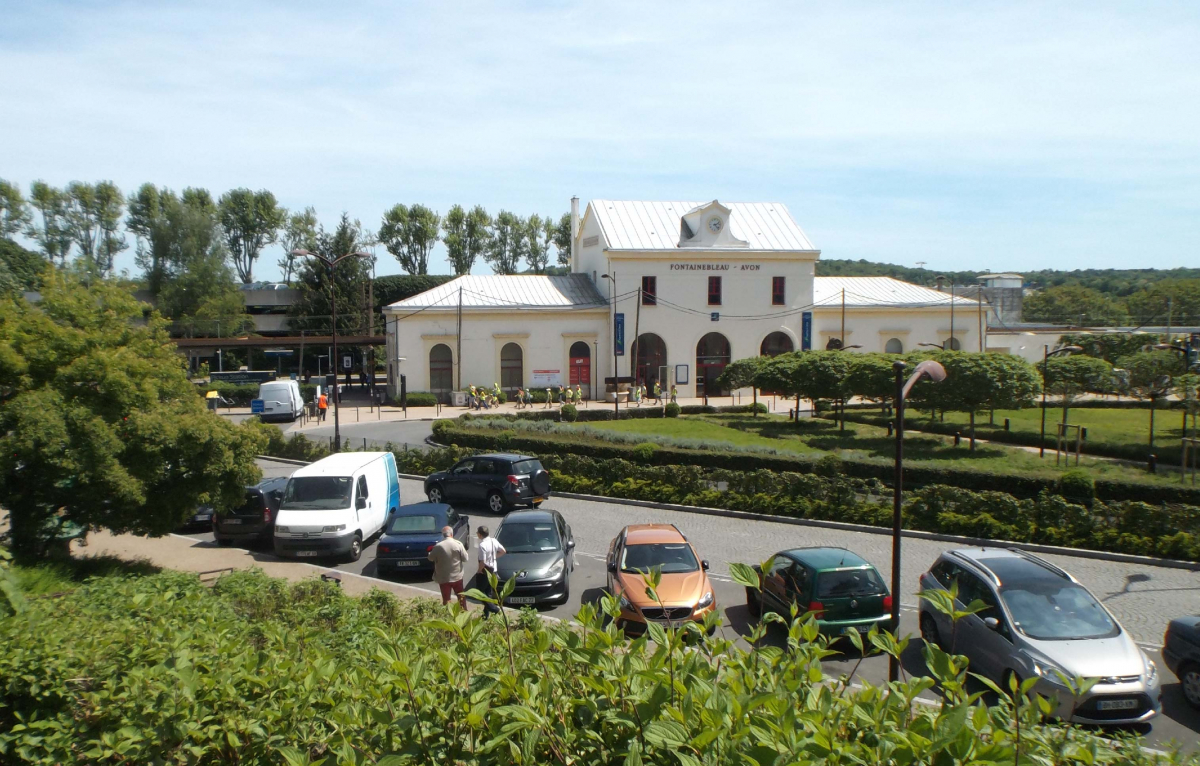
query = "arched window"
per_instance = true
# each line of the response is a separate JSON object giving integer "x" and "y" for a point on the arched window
{"x": 512, "y": 367}
{"x": 712, "y": 354}
{"x": 651, "y": 354}
{"x": 441, "y": 370}
{"x": 894, "y": 346}
{"x": 953, "y": 344}
{"x": 580, "y": 367}
{"x": 776, "y": 343}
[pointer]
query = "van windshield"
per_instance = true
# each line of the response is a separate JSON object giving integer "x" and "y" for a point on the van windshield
{"x": 317, "y": 493}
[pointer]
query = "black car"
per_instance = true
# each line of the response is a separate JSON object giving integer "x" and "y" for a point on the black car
{"x": 500, "y": 482}
{"x": 202, "y": 519}
{"x": 412, "y": 531}
{"x": 1181, "y": 653}
{"x": 254, "y": 520}
{"x": 540, "y": 553}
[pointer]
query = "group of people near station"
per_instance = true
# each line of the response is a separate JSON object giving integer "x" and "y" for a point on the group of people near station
{"x": 480, "y": 398}
{"x": 639, "y": 393}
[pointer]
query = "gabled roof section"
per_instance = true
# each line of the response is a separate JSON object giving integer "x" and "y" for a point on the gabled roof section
{"x": 879, "y": 291}
{"x": 764, "y": 226}
{"x": 514, "y": 291}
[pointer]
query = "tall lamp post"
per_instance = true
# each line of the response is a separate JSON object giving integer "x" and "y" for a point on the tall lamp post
{"x": 616, "y": 379}
{"x": 935, "y": 372}
{"x": 1046, "y": 354}
{"x": 331, "y": 264}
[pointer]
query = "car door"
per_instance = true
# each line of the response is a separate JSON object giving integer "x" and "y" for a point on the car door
{"x": 568, "y": 542}
{"x": 362, "y": 506}
{"x": 614, "y": 559}
{"x": 775, "y": 585}
{"x": 969, "y": 635}
{"x": 458, "y": 481}
{"x": 484, "y": 478}
{"x": 945, "y": 573}
{"x": 991, "y": 649}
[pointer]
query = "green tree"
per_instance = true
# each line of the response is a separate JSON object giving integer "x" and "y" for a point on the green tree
{"x": 1070, "y": 377}
{"x": 743, "y": 373}
{"x": 823, "y": 376}
{"x": 409, "y": 234}
{"x": 537, "y": 243}
{"x": 975, "y": 381}
{"x": 1187, "y": 390}
{"x": 561, "y": 235}
{"x": 1175, "y": 301}
{"x": 92, "y": 215}
{"x": 313, "y": 309}
{"x": 872, "y": 376}
{"x": 507, "y": 246}
{"x": 468, "y": 236}
{"x": 52, "y": 232}
{"x": 1150, "y": 375}
{"x": 1109, "y": 346}
{"x": 1073, "y": 304}
{"x": 14, "y": 210}
{"x": 99, "y": 424}
{"x": 24, "y": 268}
{"x": 251, "y": 221}
{"x": 299, "y": 233}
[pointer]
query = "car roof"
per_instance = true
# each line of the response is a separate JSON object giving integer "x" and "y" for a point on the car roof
{"x": 823, "y": 558}
{"x": 341, "y": 464}
{"x": 1008, "y": 564}
{"x": 423, "y": 509}
{"x": 527, "y": 517}
{"x": 506, "y": 456}
{"x": 266, "y": 485}
{"x": 642, "y": 534}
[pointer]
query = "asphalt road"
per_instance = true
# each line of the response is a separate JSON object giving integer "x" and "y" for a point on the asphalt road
{"x": 377, "y": 432}
{"x": 1143, "y": 598}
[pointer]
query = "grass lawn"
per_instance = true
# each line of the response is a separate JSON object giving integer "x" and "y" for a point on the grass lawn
{"x": 868, "y": 443}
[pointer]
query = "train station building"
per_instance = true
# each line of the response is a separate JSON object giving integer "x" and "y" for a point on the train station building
{"x": 661, "y": 291}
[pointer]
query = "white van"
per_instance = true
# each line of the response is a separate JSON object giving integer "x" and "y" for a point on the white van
{"x": 335, "y": 505}
{"x": 281, "y": 400}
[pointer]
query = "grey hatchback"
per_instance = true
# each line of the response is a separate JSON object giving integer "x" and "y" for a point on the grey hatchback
{"x": 1040, "y": 622}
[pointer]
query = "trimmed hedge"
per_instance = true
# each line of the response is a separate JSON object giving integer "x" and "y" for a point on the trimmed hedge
{"x": 418, "y": 399}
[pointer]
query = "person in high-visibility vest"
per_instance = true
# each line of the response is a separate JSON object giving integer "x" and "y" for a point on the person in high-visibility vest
{"x": 322, "y": 406}
{"x": 549, "y": 399}
{"x": 674, "y": 392}
{"x": 657, "y": 392}
{"x": 578, "y": 394}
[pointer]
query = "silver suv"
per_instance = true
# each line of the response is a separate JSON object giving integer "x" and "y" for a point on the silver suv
{"x": 1040, "y": 621}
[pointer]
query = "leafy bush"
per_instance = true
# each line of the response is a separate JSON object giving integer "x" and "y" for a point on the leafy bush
{"x": 1077, "y": 485}
{"x": 569, "y": 413}
{"x": 162, "y": 669}
{"x": 671, "y": 410}
{"x": 644, "y": 452}
{"x": 419, "y": 399}
{"x": 829, "y": 465}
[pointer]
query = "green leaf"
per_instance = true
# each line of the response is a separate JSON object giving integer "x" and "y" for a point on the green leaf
{"x": 744, "y": 575}
{"x": 666, "y": 734}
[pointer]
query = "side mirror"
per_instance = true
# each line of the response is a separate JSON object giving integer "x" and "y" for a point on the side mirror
{"x": 704, "y": 565}
{"x": 570, "y": 543}
{"x": 992, "y": 623}
{"x": 612, "y": 567}
{"x": 360, "y": 503}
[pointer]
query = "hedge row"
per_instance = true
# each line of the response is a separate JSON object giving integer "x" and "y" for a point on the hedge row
{"x": 448, "y": 431}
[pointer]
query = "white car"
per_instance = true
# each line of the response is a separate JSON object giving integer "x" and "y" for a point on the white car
{"x": 281, "y": 400}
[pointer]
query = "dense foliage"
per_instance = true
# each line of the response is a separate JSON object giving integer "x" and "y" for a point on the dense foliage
{"x": 162, "y": 669}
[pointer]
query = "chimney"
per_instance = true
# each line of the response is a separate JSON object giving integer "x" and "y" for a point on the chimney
{"x": 574, "y": 234}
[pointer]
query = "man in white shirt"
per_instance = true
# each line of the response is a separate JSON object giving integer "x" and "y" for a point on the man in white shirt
{"x": 490, "y": 549}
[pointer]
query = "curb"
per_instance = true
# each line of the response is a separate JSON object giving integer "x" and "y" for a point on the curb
{"x": 1081, "y": 553}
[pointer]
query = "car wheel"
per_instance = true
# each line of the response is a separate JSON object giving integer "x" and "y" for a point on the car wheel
{"x": 753, "y": 603}
{"x": 495, "y": 502}
{"x": 434, "y": 494}
{"x": 1189, "y": 680}
{"x": 929, "y": 630}
{"x": 355, "y": 548}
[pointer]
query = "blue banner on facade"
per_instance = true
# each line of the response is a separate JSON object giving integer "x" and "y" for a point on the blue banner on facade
{"x": 619, "y": 334}
{"x": 806, "y": 331}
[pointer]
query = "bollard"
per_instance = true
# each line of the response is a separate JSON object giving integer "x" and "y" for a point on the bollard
{"x": 364, "y": 444}
{"x": 1083, "y": 434}
{"x": 957, "y": 438}
{"x": 890, "y": 427}
{"x": 1152, "y": 463}
{"x": 1007, "y": 424}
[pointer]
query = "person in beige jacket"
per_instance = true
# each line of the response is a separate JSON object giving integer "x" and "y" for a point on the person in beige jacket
{"x": 449, "y": 559}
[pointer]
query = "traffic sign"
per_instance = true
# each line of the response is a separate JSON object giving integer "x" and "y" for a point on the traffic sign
{"x": 256, "y": 406}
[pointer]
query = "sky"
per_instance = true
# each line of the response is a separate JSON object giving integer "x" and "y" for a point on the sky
{"x": 992, "y": 136}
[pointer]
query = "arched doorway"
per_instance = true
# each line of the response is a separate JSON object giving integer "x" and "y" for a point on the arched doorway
{"x": 776, "y": 343}
{"x": 712, "y": 354}
{"x": 512, "y": 368}
{"x": 580, "y": 367}
{"x": 651, "y": 354}
{"x": 894, "y": 346}
{"x": 441, "y": 372}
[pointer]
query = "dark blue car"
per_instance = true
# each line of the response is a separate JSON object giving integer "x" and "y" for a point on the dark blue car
{"x": 1181, "y": 652}
{"x": 412, "y": 531}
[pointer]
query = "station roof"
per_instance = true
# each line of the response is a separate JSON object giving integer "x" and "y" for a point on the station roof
{"x": 512, "y": 291}
{"x": 632, "y": 225}
{"x": 879, "y": 291}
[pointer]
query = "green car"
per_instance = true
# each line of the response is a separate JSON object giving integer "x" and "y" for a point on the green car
{"x": 844, "y": 591}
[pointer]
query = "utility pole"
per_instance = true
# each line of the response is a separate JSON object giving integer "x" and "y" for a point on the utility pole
{"x": 980, "y": 297}
{"x": 842, "y": 337}
{"x": 951, "y": 341}
{"x": 1169, "y": 307}
{"x": 637, "y": 319}
{"x": 458, "y": 342}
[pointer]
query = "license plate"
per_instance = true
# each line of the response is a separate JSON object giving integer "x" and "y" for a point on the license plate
{"x": 859, "y": 628}
{"x": 233, "y": 521}
{"x": 312, "y": 554}
{"x": 403, "y": 563}
{"x": 1116, "y": 705}
{"x": 204, "y": 517}
{"x": 519, "y": 600}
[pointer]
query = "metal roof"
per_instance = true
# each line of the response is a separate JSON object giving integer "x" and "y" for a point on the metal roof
{"x": 629, "y": 225}
{"x": 513, "y": 291}
{"x": 879, "y": 291}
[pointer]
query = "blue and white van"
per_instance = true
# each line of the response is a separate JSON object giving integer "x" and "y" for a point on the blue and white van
{"x": 334, "y": 506}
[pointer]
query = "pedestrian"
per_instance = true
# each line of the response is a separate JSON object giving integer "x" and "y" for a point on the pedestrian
{"x": 578, "y": 394}
{"x": 322, "y": 406}
{"x": 549, "y": 398}
{"x": 520, "y": 397}
{"x": 562, "y": 398}
{"x": 636, "y": 394}
{"x": 449, "y": 558}
{"x": 657, "y": 393}
{"x": 674, "y": 393}
{"x": 490, "y": 549}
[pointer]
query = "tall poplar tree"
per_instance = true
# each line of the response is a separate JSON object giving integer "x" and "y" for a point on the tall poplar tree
{"x": 251, "y": 221}
{"x": 409, "y": 234}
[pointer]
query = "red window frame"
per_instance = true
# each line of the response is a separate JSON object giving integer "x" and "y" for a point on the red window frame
{"x": 649, "y": 291}
{"x": 777, "y": 291}
{"x": 714, "y": 291}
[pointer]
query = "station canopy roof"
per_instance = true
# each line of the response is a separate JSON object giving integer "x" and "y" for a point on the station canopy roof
{"x": 512, "y": 291}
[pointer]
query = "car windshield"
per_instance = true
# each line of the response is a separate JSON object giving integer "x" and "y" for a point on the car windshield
{"x": 1056, "y": 611}
{"x": 413, "y": 525}
{"x": 528, "y": 537}
{"x": 317, "y": 493}
{"x": 849, "y": 583}
{"x": 253, "y": 505}
{"x": 673, "y": 558}
{"x": 522, "y": 467}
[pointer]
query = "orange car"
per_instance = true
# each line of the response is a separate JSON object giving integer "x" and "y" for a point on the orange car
{"x": 685, "y": 591}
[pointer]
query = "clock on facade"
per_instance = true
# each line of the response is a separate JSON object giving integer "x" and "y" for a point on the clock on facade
{"x": 715, "y": 224}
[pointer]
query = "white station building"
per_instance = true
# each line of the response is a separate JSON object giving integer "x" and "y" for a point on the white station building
{"x": 697, "y": 284}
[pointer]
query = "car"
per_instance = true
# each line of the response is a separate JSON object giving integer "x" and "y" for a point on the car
{"x": 1181, "y": 653}
{"x": 412, "y": 531}
{"x": 202, "y": 519}
{"x": 1039, "y": 622}
{"x": 254, "y": 520}
{"x": 499, "y": 481}
{"x": 685, "y": 592}
{"x": 842, "y": 589}
{"x": 540, "y": 553}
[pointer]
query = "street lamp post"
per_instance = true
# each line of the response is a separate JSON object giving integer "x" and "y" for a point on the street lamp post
{"x": 1046, "y": 354}
{"x": 331, "y": 264}
{"x": 935, "y": 372}
{"x": 616, "y": 379}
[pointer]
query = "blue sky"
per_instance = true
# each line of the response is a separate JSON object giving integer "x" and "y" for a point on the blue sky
{"x": 984, "y": 135}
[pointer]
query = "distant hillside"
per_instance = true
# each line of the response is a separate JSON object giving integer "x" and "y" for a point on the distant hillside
{"x": 1115, "y": 282}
